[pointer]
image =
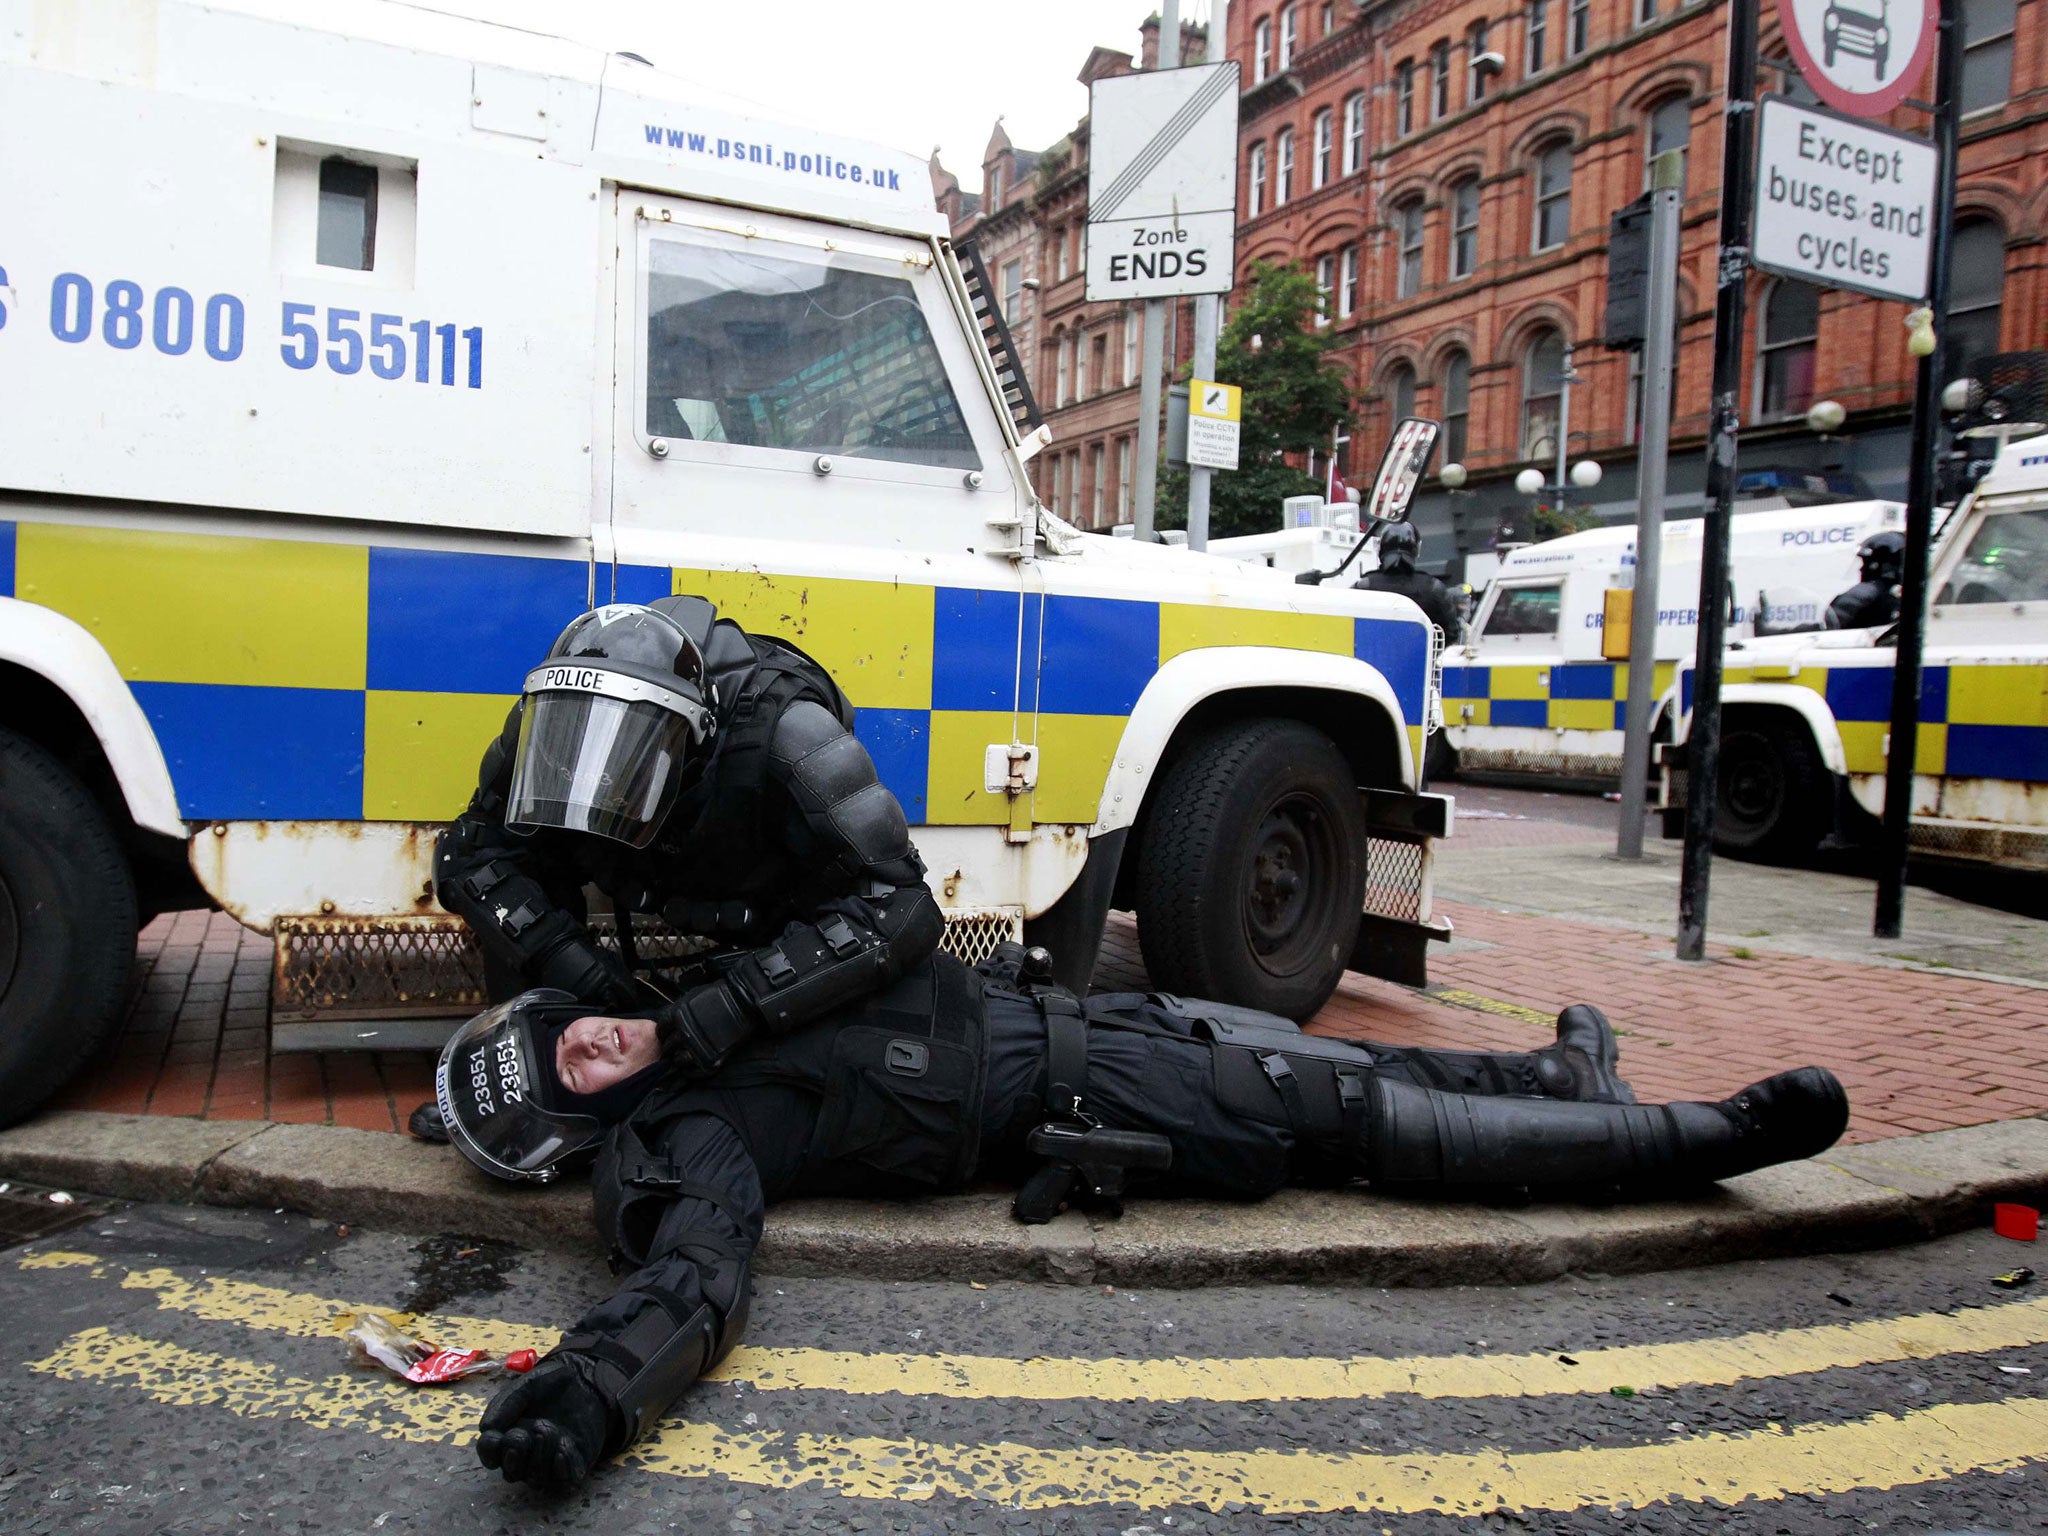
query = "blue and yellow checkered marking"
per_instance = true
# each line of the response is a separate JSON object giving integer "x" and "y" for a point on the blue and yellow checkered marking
{"x": 289, "y": 679}
{"x": 1568, "y": 695}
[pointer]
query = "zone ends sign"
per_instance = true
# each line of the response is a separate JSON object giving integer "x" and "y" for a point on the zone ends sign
{"x": 1162, "y": 183}
{"x": 1842, "y": 203}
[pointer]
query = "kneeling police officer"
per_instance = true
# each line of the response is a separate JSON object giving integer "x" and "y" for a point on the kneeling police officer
{"x": 953, "y": 1074}
{"x": 1874, "y": 600}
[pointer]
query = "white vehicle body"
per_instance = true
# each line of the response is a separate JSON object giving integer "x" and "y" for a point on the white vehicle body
{"x": 1537, "y": 687}
{"x": 1806, "y": 718}
{"x": 284, "y": 533}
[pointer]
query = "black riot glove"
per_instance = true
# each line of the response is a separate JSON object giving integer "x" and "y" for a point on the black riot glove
{"x": 701, "y": 1028}
{"x": 548, "y": 1427}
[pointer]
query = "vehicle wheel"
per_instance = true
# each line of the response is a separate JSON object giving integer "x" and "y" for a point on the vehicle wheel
{"x": 1770, "y": 801}
{"x": 67, "y": 926}
{"x": 1252, "y": 873}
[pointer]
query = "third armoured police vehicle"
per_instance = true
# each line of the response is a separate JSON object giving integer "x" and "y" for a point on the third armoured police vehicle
{"x": 349, "y": 352}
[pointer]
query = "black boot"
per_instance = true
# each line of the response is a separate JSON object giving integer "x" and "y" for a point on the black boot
{"x": 1422, "y": 1138}
{"x": 1580, "y": 1067}
{"x": 426, "y": 1123}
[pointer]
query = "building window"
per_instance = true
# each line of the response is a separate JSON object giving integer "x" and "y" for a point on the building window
{"x": 1326, "y": 285}
{"x": 1404, "y": 98}
{"x": 1400, "y": 391}
{"x": 1646, "y": 12}
{"x": 1059, "y": 461}
{"x": 1329, "y": 18}
{"x": 1475, "y": 77}
{"x": 347, "y": 228}
{"x": 1408, "y": 230}
{"x": 1542, "y": 390}
{"x": 1062, "y": 371}
{"x": 1095, "y": 489}
{"x": 1013, "y": 289}
{"x": 1289, "y": 34}
{"x": 995, "y": 187}
{"x": 1987, "y": 54}
{"x": 1283, "y": 166}
{"x": 1134, "y": 333}
{"x": 1670, "y": 128}
{"x": 1255, "y": 173}
{"x": 1354, "y": 132}
{"x": 1123, "y": 479}
{"x": 1080, "y": 366}
{"x": 1325, "y": 149}
{"x": 1581, "y": 28}
{"x": 1539, "y": 36}
{"x": 1059, "y": 255}
{"x": 1457, "y": 407}
{"x": 1787, "y": 337}
{"x": 1553, "y": 196}
{"x": 1347, "y": 282}
{"x": 1074, "y": 486}
{"x": 1465, "y": 227}
{"x": 1439, "y": 81}
{"x": 1262, "y": 50}
{"x": 1976, "y": 294}
{"x": 1098, "y": 367}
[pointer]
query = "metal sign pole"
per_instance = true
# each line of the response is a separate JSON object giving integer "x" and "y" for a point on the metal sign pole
{"x": 1905, "y": 729}
{"x": 1666, "y": 193}
{"x": 1208, "y": 312}
{"x": 1738, "y": 204}
{"x": 1151, "y": 363}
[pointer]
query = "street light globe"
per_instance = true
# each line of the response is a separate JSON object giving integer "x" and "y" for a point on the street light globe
{"x": 1826, "y": 415}
{"x": 1452, "y": 475}
{"x": 1585, "y": 474}
{"x": 1959, "y": 395}
{"x": 1529, "y": 481}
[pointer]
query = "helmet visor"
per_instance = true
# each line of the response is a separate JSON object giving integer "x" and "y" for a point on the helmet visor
{"x": 606, "y": 759}
{"x": 492, "y": 1089}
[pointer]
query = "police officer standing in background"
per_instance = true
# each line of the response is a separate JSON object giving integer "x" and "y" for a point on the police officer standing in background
{"x": 1397, "y": 573}
{"x": 1875, "y": 599}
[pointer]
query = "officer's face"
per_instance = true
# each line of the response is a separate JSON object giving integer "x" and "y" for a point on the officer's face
{"x": 594, "y": 1053}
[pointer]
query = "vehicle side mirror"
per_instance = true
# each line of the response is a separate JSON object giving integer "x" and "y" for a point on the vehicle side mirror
{"x": 1401, "y": 468}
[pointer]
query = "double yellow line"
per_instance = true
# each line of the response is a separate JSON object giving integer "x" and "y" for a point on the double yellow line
{"x": 1881, "y": 1451}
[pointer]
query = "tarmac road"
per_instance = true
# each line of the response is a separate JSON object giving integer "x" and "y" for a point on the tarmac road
{"x": 170, "y": 1369}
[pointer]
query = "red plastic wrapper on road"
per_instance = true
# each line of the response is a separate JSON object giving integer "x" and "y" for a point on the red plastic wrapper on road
{"x": 377, "y": 1340}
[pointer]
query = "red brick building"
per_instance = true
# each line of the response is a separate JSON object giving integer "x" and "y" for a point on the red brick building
{"x": 1448, "y": 169}
{"x": 1029, "y": 223}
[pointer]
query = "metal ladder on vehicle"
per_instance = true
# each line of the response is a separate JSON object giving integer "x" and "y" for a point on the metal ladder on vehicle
{"x": 995, "y": 335}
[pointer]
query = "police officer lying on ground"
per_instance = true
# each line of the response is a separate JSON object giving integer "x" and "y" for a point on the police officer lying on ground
{"x": 1875, "y": 599}
{"x": 1397, "y": 573}
{"x": 685, "y": 767}
{"x": 954, "y": 1074}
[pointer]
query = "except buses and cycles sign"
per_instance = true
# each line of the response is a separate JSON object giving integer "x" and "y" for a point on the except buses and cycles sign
{"x": 1842, "y": 203}
{"x": 1862, "y": 57}
{"x": 1162, "y": 183}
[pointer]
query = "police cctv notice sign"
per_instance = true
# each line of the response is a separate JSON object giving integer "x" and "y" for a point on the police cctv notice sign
{"x": 1214, "y": 411}
{"x": 1842, "y": 203}
{"x": 1162, "y": 183}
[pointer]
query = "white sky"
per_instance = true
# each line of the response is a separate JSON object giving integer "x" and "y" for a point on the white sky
{"x": 909, "y": 73}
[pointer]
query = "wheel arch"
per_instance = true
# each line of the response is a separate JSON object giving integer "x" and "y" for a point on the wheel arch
{"x": 60, "y": 688}
{"x": 1779, "y": 704}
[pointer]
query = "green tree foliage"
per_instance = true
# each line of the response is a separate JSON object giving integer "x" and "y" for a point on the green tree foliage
{"x": 1293, "y": 395}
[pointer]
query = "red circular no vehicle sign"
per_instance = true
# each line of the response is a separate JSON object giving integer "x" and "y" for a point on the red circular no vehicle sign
{"x": 1860, "y": 56}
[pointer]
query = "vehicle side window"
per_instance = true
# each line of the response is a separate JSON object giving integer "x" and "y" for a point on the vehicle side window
{"x": 2007, "y": 561}
{"x": 790, "y": 350}
{"x": 1526, "y": 610}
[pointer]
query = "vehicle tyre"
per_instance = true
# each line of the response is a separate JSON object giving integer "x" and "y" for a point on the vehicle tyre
{"x": 1770, "y": 792}
{"x": 1251, "y": 876}
{"x": 67, "y": 926}
{"x": 1439, "y": 759}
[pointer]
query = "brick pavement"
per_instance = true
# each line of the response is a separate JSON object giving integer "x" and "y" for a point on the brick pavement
{"x": 1919, "y": 1051}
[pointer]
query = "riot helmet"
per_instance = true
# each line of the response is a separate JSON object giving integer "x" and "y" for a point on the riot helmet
{"x": 1399, "y": 543}
{"x": 506, "y": 1107}
{"x": 1882, "y": 558}
{"x": 611, "y": 720}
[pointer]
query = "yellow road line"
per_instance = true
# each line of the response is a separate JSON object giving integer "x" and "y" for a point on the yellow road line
{"x": 1882, "y": 1451}
{"x": 1457, "y": 997}
{"x": 1689, "y": 1363}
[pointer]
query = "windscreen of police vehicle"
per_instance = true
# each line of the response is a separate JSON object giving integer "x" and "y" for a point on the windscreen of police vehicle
{"x": 1525, "y": 611}
{"x": 2007, "y": 561}
{"x": 790, "y": 350}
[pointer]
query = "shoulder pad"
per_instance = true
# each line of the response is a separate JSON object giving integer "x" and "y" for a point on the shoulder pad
{"x": 803, "y": 728}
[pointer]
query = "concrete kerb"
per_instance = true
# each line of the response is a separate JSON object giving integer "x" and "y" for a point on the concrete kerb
{"x": 1905, "y": 1189}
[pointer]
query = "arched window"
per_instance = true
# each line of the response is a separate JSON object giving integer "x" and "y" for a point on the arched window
{"x": 1400, "y": 391}
{"x": 1987, "y": 53}
{"x": 1542, "y": 390}
{"x": 1475, "y": 50}
{"x": 1290, "y": 34}
{"x": 1553, "y": 196}
{"x": 1325, "y": 149}
{"x": 1536, "y": 54}
{"x": 1788, "y": 331}
{"x": 1408, "y": 232}
{"x": 1326, "y": 289}
{"x": 1347, "y": 281}
{"x": 1457, "y": 407}
{"x": 1255, "y": 173}
{"x": 1283, "y": 166}
{"x": 1976, "y": 295}
{"x": 1439, "y": 80}
{"x": 1670, "y": 128}
{"x": 1354, "y": 132}
{"x": 1262, "y": 50}
{"x": 1404, "y": 98}
{"x": 1062, "y": 362}
{"x": 1465, "y": 227}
